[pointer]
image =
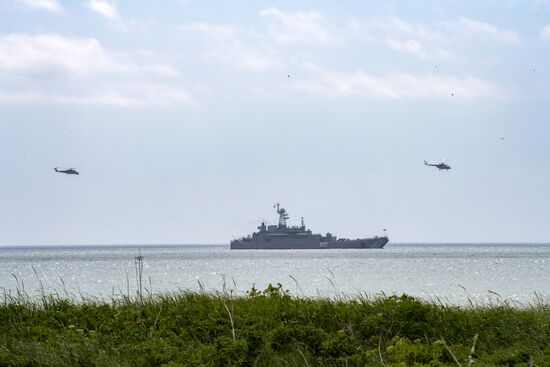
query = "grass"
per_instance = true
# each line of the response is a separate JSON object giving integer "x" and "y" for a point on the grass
{"x": 269, "y": 328}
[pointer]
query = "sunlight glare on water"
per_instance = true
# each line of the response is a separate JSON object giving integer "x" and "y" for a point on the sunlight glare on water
{"x": 450, "y": 273}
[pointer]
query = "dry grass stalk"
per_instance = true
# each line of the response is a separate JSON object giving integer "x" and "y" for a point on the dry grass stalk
{"x": 471, "y": 358}
{"x": 451, "y": 352}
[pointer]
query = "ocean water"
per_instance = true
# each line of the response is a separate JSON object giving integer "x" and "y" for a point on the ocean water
{"x": 457, "y": 274}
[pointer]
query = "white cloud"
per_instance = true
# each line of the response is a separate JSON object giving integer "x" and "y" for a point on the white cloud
{"x": 48, "y": 5}
{"x": 130, "y": 95}
{"x": 53, "y": 54}
{"x": 260, "y": 49}
{"x": 59, "y": 69}
{"x": 360, "y": 84}
{"x": 104, "y": 8}
{"x": 308, "y": 27}
{"x": 466, "y": 28}
{"x": 433, "y": 41}
{"x": 439, "y": 33}
{"x": 396, "y": 34}
{"x": 545, "y": 32}
{"x": 232, "y": 46}
{"x": 412, "y": 46}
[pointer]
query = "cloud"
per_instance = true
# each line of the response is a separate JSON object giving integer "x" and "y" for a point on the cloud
{"x": 51, "y": 54}
{"x": 416, "y": 48}
{"x": 361, "y": 84}
{"x": 230, "y": 45}
{"x": 40, "y": 55}
{"x": 110, "y": 13}
{"x": 432, "y": 41}
{"x": 307, "y": 27}
{"x": 471, "y": 29}
{"x": 545, "y": 32}
{"x": 398, "y": 35}
{"x": 54, "y": 68}
{"x": 104, "y": 8}
{"x": 263, "y": 48}
{"x": 48, "y": 5}
{"x": 130, "y": 95}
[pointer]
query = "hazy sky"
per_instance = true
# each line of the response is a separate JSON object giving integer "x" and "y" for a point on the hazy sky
{"x": 188, "y": 119}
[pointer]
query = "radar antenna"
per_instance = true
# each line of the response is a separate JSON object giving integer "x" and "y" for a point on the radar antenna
{"x": 283, "y": 216}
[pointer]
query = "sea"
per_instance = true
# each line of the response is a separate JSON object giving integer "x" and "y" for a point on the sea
{"x": 461, "y": 274}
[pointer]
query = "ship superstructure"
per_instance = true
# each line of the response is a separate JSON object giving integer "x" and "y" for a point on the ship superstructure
{"x": 282, "y": 236}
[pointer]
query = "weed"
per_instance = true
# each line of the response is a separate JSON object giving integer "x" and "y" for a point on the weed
{"x": 268, "y": 328}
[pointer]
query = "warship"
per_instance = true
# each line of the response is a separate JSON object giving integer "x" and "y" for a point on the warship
{"x": 282, "y": 236}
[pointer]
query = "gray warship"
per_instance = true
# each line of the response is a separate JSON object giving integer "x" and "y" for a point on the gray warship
{"x": 282, "y": 236}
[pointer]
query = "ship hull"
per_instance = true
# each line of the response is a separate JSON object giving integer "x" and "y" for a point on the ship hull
{"x": 305, "y": 244}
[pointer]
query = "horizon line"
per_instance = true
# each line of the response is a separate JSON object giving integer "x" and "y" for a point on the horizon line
{"x": 138, "y": 245}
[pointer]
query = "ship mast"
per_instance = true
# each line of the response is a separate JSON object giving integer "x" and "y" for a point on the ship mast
{"x": 283, "y": 216}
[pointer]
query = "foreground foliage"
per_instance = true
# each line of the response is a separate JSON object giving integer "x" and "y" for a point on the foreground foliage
{"x": 270, "y": 328}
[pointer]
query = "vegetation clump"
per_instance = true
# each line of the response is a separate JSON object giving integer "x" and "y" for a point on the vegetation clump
{"x": 270, "y": 328}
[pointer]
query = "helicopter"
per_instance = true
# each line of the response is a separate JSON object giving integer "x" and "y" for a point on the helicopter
{"x": 70, "y": 171}
{"x": 440, "y": 166}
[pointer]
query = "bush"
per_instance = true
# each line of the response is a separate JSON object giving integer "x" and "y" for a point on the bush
{"x": 269, "y": 328}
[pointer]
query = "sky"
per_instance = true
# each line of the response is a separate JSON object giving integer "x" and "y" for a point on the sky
{"x": 188, "y": 119}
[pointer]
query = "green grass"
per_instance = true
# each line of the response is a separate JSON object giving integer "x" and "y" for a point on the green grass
{"x": 270, "y": 328}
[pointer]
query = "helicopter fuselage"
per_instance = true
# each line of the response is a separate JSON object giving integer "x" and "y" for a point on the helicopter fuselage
{"x": 69, "y": 171}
